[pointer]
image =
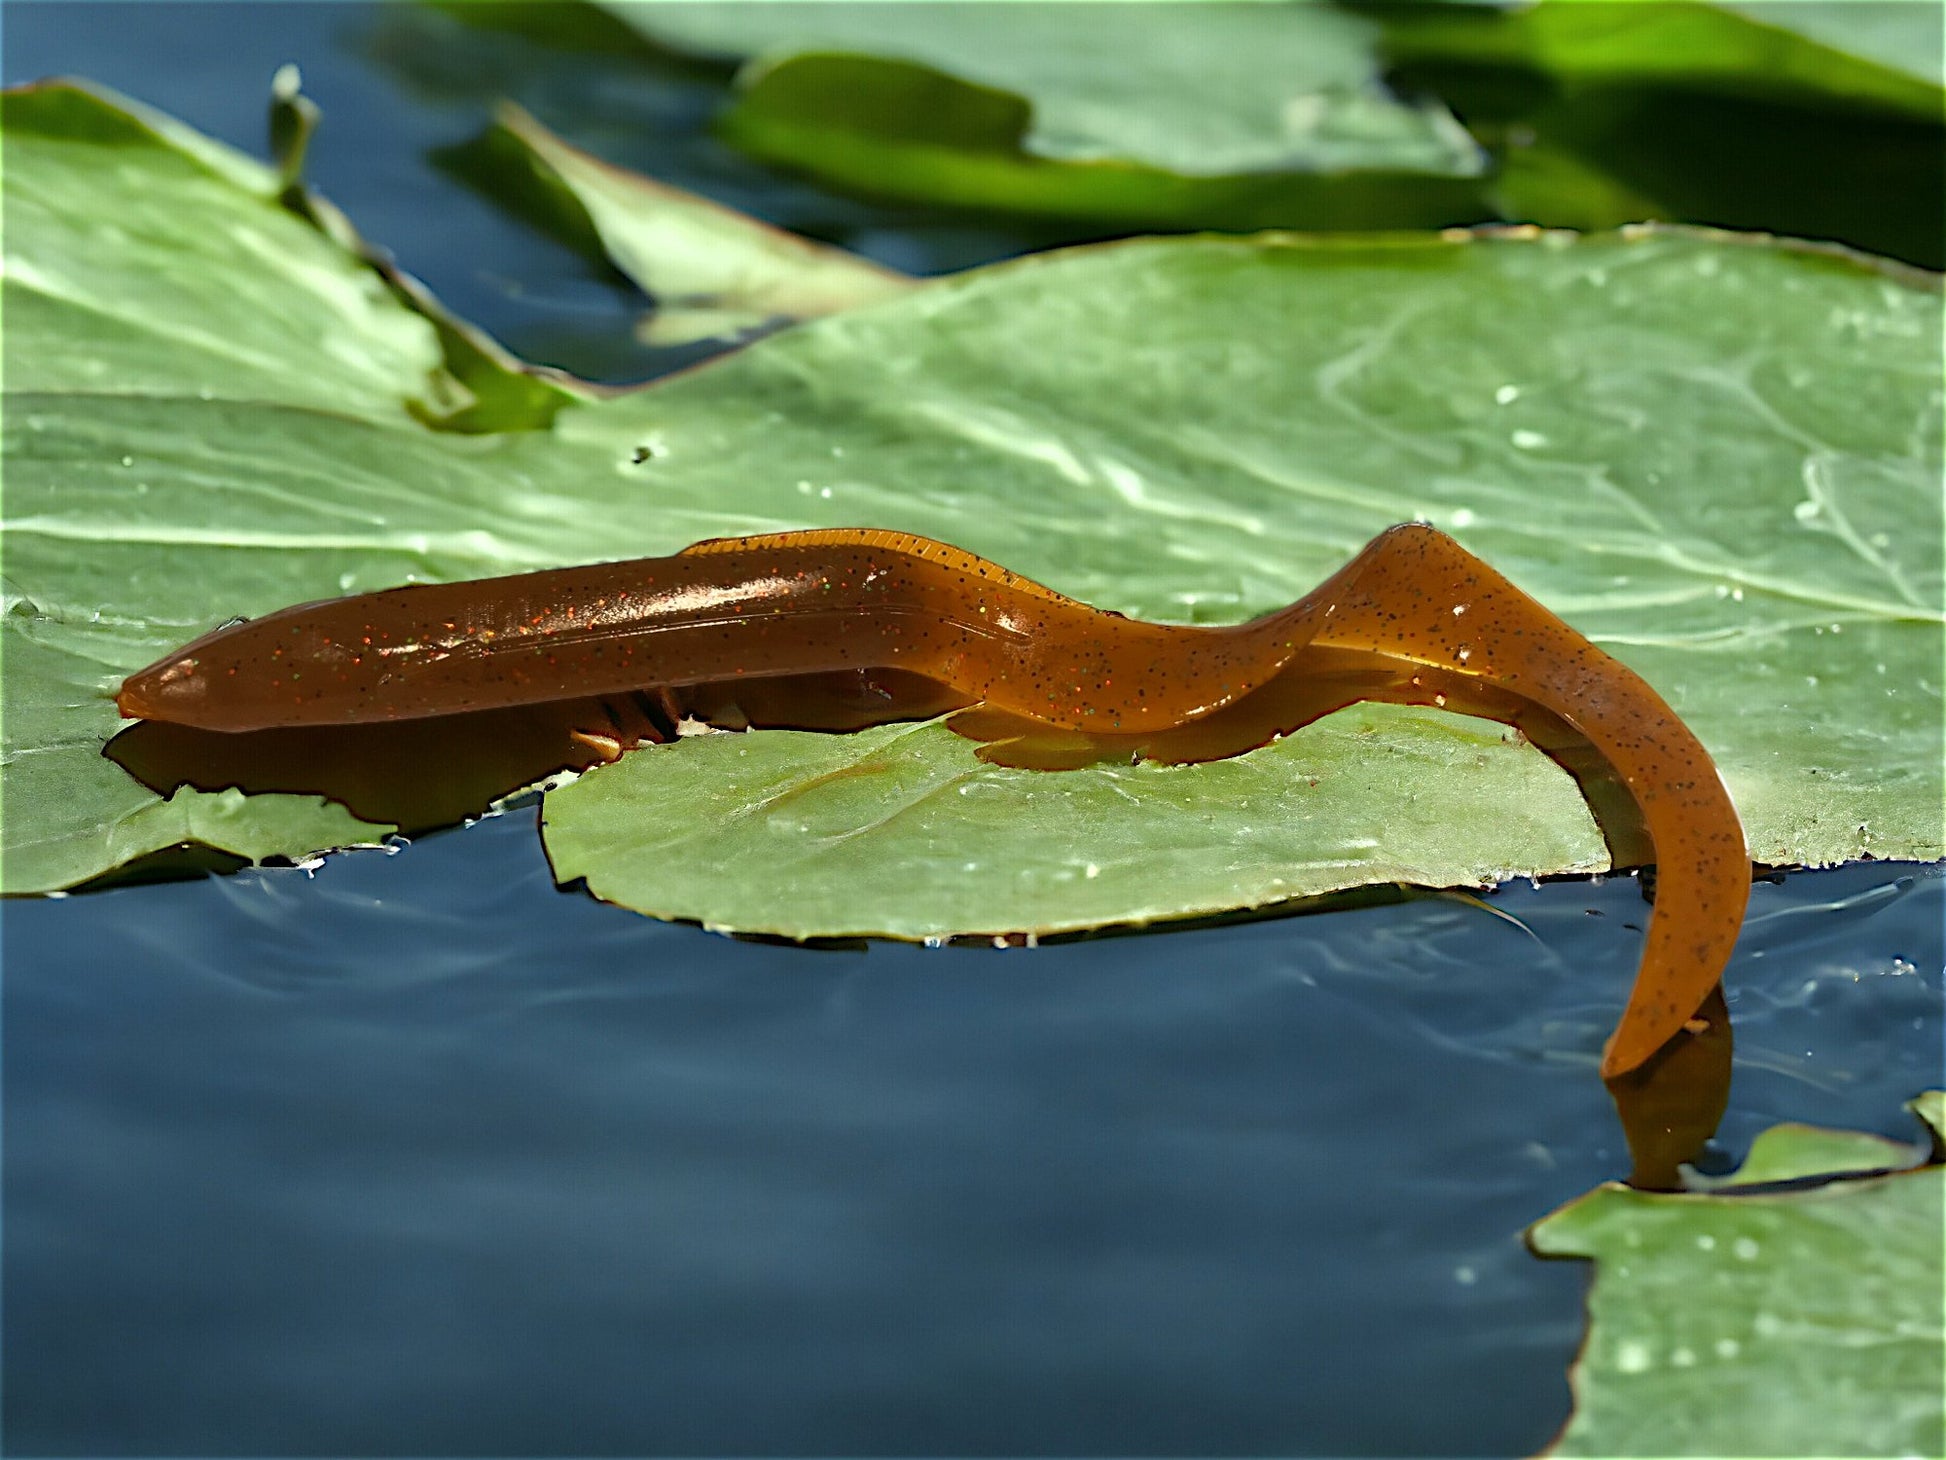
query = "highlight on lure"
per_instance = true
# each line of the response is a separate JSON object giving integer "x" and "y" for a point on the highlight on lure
{"x": 1413, "y": 618}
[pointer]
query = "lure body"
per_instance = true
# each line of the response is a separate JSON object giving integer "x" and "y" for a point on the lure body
{"x": 733, "y": 608}
{"x": 1413, "y": 618}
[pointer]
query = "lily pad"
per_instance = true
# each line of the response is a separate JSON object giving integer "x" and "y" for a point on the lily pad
{"x": 1795, "y": 1152}
{"x": 1883, "y": 55}
{"x": 1235, "y": 116}
{"x": 711, "y": 271}
{"x": 1822, "y": 120}
{"x": 961, "y": 847}
{"x": 1220, "y": 89}
{"x": 1715, "y": 455}
{"x": 1892, "y": 36}
{"x": 1584, "y": 375}
{"x": 1804, "y": 1322}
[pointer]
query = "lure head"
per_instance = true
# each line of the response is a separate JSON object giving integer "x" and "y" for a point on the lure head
{"x": 174, "y": 688}
{"x": 181, "y": 686}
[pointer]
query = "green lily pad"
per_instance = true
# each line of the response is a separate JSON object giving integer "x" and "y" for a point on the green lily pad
{"x": 1805, "y": 1322}
{"x": 1931, "y": 1108}
{"x": 961, "y": 847}
{"x": 1794, "y": 1152}
{"x": 1895, "y": 37}
{"x": 1820, "y": 120}
{"x": 1221, "y": 89}
{"x": 1237, "y": 116}
{"x": 1466, "y": 383}
{"x": 1714, "y": 455}
{"x": 1883, "y": 55}
{"x": 253, "y": 306}
{"x": 712, "y": 272}
{"x": 256, "y": 306}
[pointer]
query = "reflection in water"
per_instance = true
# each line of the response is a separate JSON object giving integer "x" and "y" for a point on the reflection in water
{"x": 1670, "y": 1107}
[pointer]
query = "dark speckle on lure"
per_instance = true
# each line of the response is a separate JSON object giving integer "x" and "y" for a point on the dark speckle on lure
{"x": 1414, "y": 617}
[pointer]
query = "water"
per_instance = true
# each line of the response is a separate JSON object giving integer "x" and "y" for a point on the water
{"x": 417, "y": 1154}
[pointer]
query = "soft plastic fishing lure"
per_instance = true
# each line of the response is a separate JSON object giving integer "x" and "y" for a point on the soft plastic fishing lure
{"x": 1045, "y": 680}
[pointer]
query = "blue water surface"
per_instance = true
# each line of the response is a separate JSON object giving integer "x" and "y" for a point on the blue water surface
{"x": 415, "y": 1154}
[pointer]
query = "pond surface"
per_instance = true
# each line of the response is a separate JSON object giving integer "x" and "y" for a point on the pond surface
{"x": 416, "y": 1154}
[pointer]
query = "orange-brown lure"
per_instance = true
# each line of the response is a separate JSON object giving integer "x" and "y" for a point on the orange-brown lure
{"x": 1414, "y": 617}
